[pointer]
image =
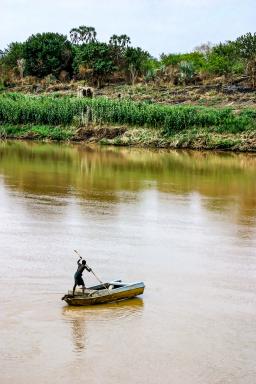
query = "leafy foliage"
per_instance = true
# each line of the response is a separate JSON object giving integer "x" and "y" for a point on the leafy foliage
{"x": 224, "y": 60}
{"x": 118, "y": 46}
{"x": 12, "y": 54}
{"x": 186, "y": 71}
{"x": 47, "y": 53}
{"x": 50, "y": 53}
{"x": 135, "y": 62}
{"x": 152, "y": 69}
{"x": 120, "y": 41}
{"x": 97, "y": 57}
{"x": 246, "y": 47}
{"x": 83, "y": 34}
{"x": 197, "y": 59}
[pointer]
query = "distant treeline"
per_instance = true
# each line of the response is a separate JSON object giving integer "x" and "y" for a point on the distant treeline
{"x": 83, "y": 57}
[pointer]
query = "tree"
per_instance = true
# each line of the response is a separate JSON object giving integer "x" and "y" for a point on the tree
{"x": 97, "y": 58}
{"x": 224, "y": 60}
{"x": 246, "y": 47}
{"x": 135, "y": 60}
{"x": 118, "y": 46}
{"x": 120, "y": 41}
{"x": 10, "y": 60}
{"x": 83, "y": 34}
{"x": 47, "y": 53}
{"x": 218, "y": 65}
{"x": 13, "y": 53}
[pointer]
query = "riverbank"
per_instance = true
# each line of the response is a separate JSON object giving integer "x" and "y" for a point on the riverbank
{"x": 123, "y": 122}
{"x": 194, "y": 138}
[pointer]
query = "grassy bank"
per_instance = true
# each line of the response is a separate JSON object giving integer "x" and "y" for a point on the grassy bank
{"x": 71, "y": 118}
{"x": 193, "y": 138}
{"x": 37, "y": 132}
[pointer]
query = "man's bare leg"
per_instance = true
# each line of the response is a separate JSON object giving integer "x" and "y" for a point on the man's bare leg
{"x": 74, "y": 288}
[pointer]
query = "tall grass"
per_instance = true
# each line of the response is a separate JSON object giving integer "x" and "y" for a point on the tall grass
{"x": 24, "y": 109}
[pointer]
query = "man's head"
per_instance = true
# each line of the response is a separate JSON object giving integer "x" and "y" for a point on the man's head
{"x": 83, "y": 262}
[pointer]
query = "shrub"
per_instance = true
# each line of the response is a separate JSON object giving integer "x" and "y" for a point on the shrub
{"x": 47, "y": 53}
{"x": 186, "y": 71}
{"x": 95, "y": 58}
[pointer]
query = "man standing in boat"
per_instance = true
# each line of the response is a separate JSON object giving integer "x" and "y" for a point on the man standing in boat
{"x": 78, "y": 275}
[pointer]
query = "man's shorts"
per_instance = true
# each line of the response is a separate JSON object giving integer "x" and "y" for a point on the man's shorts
{"x": 78, "y": 279}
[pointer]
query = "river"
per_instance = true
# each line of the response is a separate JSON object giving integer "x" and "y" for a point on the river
{"x": 183, "y": 222}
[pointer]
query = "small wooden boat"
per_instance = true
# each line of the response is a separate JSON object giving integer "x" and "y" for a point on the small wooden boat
{"x": 105, "y": 293}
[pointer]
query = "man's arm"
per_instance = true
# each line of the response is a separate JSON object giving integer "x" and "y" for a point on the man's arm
{"x": 78, "y": 261}
{"x": 88, "y": 268}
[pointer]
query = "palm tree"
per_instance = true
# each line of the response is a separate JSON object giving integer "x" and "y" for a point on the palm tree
{"x": 83, "y": 34}
{"x": 74, "y": 35}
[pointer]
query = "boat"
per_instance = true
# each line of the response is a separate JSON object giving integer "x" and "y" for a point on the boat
{"x": 104, "y": 293}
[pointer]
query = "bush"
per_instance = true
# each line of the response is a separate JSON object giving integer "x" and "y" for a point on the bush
{"x": 196, "y": 58}
{"x": 12, "y": 54}
{"x": 224, "y": 60}
{"x": 47, "y": 53}
{"x": 94, "y": 58}
{"x": 186, "y": 71}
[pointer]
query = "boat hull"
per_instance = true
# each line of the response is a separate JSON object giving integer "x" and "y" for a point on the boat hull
{"x": 92, "y": 296}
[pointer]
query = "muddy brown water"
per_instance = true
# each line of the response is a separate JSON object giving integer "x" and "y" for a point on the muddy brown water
{"x": 183, "y": 222}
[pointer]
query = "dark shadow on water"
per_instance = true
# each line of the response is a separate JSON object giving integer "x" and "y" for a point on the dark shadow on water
{"x": 80, "y": 317}
{"x": 116, "y": 309}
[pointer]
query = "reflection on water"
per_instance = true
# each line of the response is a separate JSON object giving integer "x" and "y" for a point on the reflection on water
{"x": 52, "y": 171}
{"x": 183, "y": 222}
{"x": 77, "y": 317}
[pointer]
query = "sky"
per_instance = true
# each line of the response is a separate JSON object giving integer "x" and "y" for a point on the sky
{"x": 168, "y": 26}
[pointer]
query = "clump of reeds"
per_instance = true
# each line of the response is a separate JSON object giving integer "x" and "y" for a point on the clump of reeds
{"x": 24, "y": 109}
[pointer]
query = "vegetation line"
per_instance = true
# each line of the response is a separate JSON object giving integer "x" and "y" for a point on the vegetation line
{"x": 67, "y": 111}
{"x": 52, "y": 56}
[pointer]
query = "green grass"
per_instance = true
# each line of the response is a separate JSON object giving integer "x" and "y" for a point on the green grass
{"x": 36, "y": 132}
{"x": 67, "y": 111}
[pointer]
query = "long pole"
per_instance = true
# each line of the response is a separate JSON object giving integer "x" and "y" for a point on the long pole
{"x": 94, "y": 273}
